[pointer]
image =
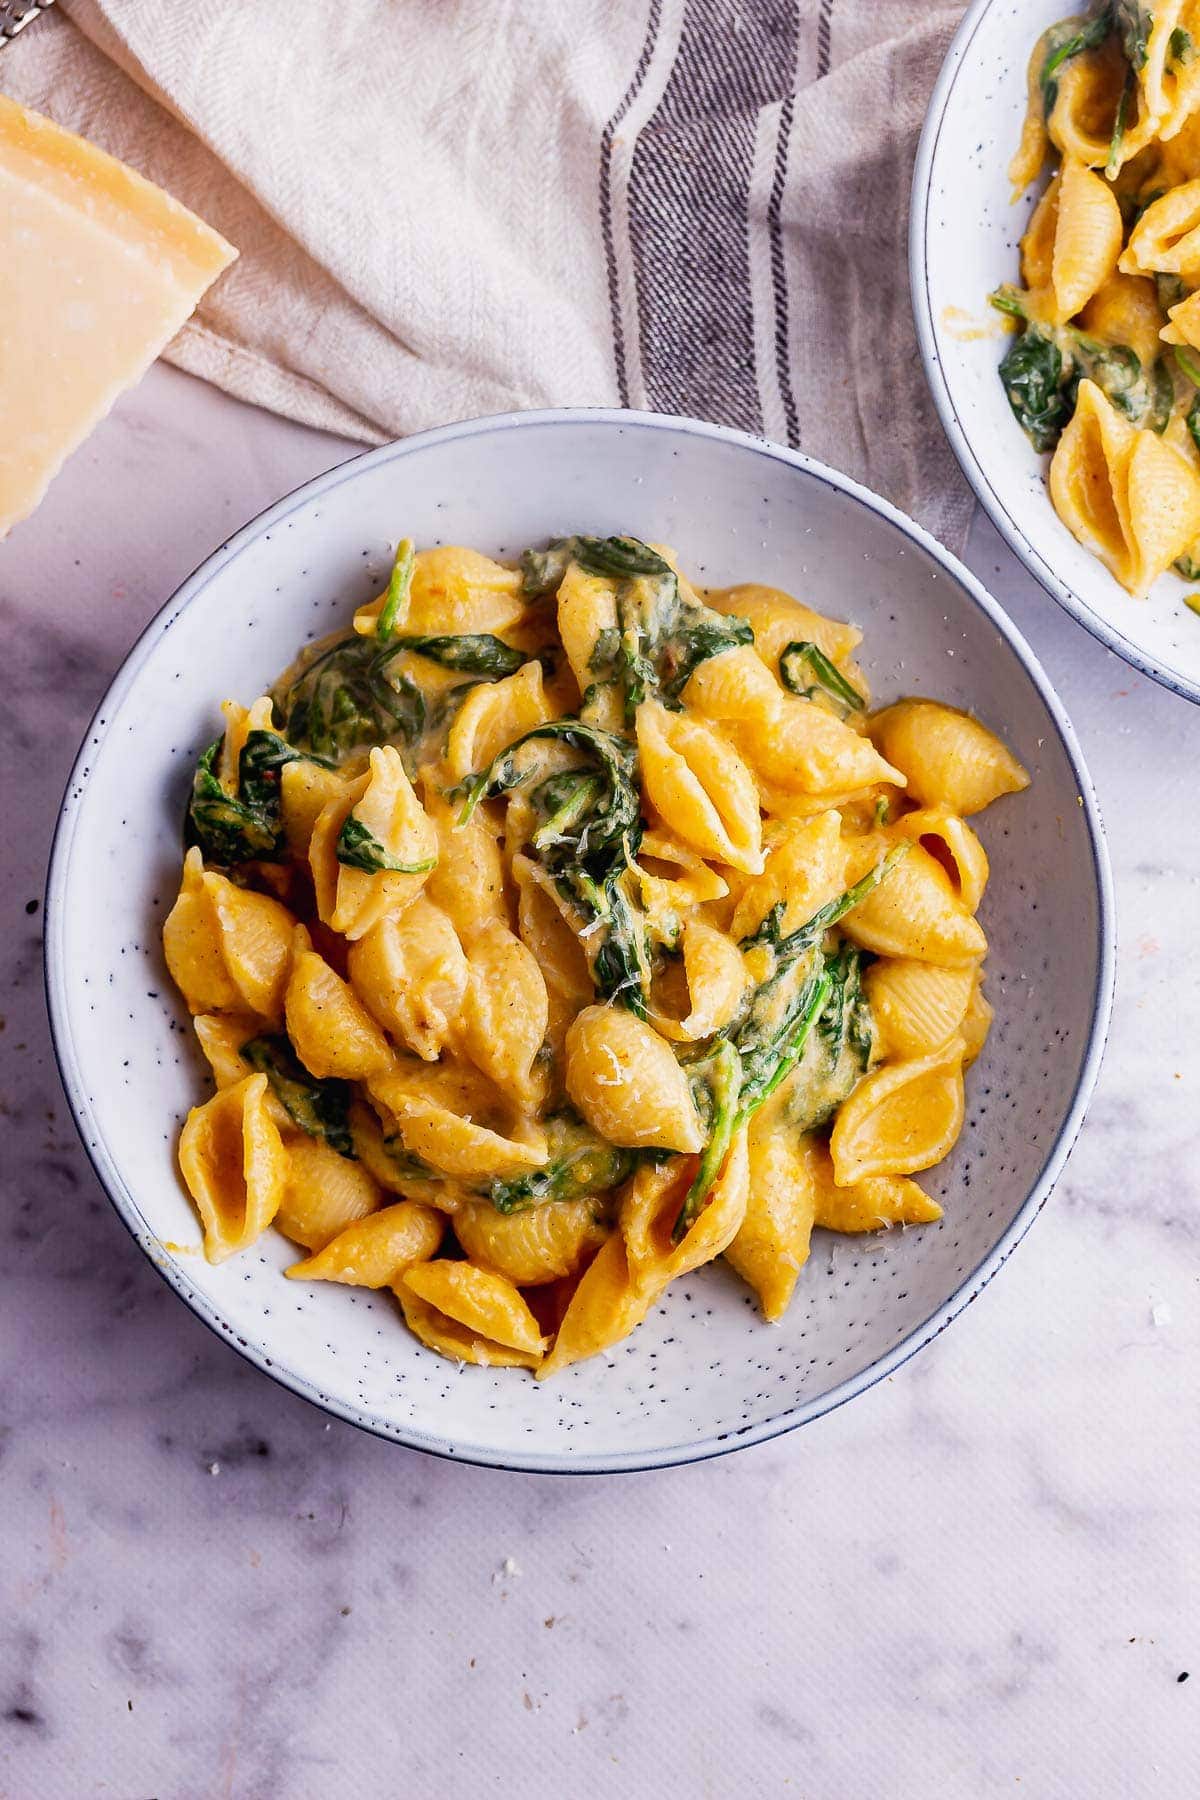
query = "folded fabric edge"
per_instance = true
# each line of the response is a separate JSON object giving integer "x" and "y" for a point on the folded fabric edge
{"x": 248, "y": 375}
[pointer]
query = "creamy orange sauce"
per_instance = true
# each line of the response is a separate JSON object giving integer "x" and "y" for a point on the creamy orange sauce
{"x": 965, "y": 328}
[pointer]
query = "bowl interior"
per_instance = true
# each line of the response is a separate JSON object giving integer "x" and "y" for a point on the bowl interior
{"x": 966, "y": 231}
{"x": 704, "y": 1370}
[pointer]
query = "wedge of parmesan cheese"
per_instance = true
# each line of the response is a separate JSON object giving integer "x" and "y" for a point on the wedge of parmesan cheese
{"x": 98, "y": 270}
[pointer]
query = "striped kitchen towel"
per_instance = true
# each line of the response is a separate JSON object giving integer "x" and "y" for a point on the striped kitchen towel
{"x": 453, "y": 207}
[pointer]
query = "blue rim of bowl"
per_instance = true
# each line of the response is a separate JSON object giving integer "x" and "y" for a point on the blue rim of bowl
{"x": 960, "y": 443}
{"x": 177, "y": 1277}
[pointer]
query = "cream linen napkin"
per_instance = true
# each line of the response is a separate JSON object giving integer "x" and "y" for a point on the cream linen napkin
{"x": 454, "y": 207}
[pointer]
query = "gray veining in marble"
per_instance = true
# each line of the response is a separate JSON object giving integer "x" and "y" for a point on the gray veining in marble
{"x": 978, "y": 1579}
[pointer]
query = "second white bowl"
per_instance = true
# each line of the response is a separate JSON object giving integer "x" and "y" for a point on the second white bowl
{"x": 963, "y": 240}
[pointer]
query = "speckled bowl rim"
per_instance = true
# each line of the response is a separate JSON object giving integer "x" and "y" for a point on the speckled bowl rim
{"x": 258, "y": 1353}
{"x": 960, "y": 442}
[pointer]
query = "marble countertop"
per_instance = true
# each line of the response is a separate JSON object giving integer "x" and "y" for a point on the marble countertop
{"x": 977, "y": 1579}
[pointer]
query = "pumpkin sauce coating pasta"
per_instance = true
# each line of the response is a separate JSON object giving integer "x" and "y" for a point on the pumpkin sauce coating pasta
{"x": 553, "y": 931}
{"x": 1104, "y": 372}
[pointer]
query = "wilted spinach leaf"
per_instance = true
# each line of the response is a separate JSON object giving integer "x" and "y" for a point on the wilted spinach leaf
{"x": 619, "y": 557}
{"x": 474, "y": 653}
{"x": 344, "y": 699}
{"x": 1064, "y": 41}
{"x": 246, "y": 826}
{"x": 1135, "y": 23}
{"x": 359, "y": 848}
{"x": 580, "y": 1163}
{"x": 1042, "y": 370}
{"x": 1171, "y": 289}
{"x": 399, "y": 589}
{"x": 1031, "y": 371}
{"x": 321, "y": 1108}
{"x": 804, "y": 668}
{"x": 226, "y": 829}
{"x": 1188, "y": 362}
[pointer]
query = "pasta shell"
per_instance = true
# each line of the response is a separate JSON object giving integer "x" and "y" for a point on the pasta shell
{"x": 255, "y": 934}
{"x": 700, "y": 787}
{"x": 719, "y": 1220}
{"x": 331, "y": 1030}
{"x": 467, "y": 881}
{"x": 1089, "y": 480}
{"x": 778, "y": 620}
{"x": 411, "y": 974}
{"x": 772, "y": 1243}
{"x": 916, "y": 1005}
{"x": 221, "y": 1036}
{"x": 493, "y": 715}
{"x": 905, "y": 1116}
{"x": 1172, "y": 82}
{"x": 650, "y": 1207}
{"x": 1166, "y": 239}
{"x": 626, "y": 1083}
{"x": 734, "y": 687}
{"x": 671, "y": 878}
{"x": 393, "y": 1168}
{"x": 240, "y": 721}
{"x": 1090, "y": 88}
{"x": 485, "y": 1303}
{"x": 1126, "y": 495}
{"x": 232, "y": 1159}
{"x": 1184, "y": 322}
{"x": 873, "y": 1204}
{"x": 1037, "y": 245}
{"x": 785, "y": 806}
{"x": 305, "y": 790}
{"x": 192, "y": 945}
{"x": 803, "y": 748}
{"x": 913, "y": 913}
{"x": 977, "y": 1022}
{"x": 374, "y": 1252}
{"x": 459, "y": 1342}
{"x": 604, "y": 1308}
{"x": 587, "y": 606}
{"x": 1177, "y": 158}
{"x": 1164, "y": 508}
{"x": 452, "y": 1118}
{"x": 323, "y": 1193}
{"x": 806, "y": 861}
{"x": 1087, "y": 240}
{"x": 352, "y": 900}
{"x": 460, "y": 1147}
{"x": 952, "y": 843}
{"x": 458, "y": 589}
{"x": 452, "y": 1084}
{"x": 547, "y": 935}
{"x": 455, "y": 590}
{"x": 715, "y": 980}
{"x": 1034, "y": 143}
{"x": 541, "y": 1244}
{"x": 949, "y": 759}
{"x": 1126, "y": 311}
{"x": 505, "y": 1013}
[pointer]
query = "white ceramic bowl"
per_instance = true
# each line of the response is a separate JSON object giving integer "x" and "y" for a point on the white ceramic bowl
{"x": 963, "y": 239}
{"x": 704, "y": 1374}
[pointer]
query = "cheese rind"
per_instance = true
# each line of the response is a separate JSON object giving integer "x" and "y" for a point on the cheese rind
{"x": 98, "y": 270}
